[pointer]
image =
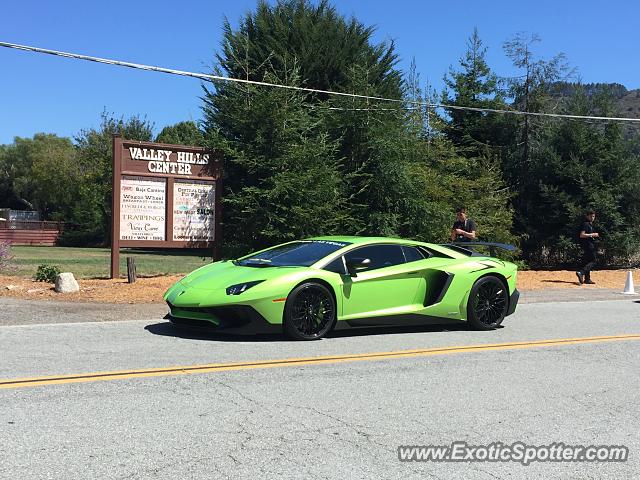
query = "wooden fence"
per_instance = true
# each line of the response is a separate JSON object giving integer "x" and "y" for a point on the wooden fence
{"x": 30, "y": 232}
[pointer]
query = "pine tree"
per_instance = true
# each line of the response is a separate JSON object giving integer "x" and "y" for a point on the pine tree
{"x": 282, "y": 179}
{"x": 574, "y": 166}
{"x": 468, "y": 159}
{"x": 316, "y": 38}
{"x": 351, "y": 166}
{"x": 474, "y": 133}
{"x": 531, "y": 92}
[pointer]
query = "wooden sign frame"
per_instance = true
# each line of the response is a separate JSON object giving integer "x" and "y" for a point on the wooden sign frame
{"x": 168, "y": 163}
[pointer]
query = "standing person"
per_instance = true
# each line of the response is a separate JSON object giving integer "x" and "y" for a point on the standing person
{"x": 464, "y": 229}
{"x": 587, "y": 241}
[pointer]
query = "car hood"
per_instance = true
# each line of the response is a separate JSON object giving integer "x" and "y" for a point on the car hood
{"x": 224, "y": 274}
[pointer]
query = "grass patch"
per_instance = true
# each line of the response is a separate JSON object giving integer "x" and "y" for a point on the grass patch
{"x": 95, "y": 262}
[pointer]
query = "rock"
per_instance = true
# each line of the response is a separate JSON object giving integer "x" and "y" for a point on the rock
{"x": 35, "y": 290}
{"x": 11, "y": 287}
{"x": 66, "y": 283}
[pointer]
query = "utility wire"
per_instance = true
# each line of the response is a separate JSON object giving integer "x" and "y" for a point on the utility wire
{"x": 211, "y": 78}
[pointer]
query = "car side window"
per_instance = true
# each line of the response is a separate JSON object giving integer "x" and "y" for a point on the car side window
{"x": 381, "y": 256}
{"x": 336, "y": 266}
{"x": 412, "y": 254}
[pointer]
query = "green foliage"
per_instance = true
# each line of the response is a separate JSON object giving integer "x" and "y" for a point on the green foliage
{"x": 182, "y": 133}
{"x": 293, "y": 167}
{"x": 469, "y": 164}
{"x": 447, "y": 180}
{"x": 47, "y": 273}
{"x": 568, "y": 89}
{"x": 473, "y": 84}
{"x": 38, "y": 173}
{"x": 531, "y": 92}
{"x": 575, "y": 166}
{"x": 282, "y": 179}
{"x": 321, "y": 43}
{"x": 91, "y": 213}
{"x": 7, "y": 197}
{"x": 300, "y": 164}
{"x": 376, "y": 147}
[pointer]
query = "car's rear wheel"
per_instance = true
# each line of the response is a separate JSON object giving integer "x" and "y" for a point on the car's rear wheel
{"x": 488, "y": 303}
{"x": 310, "y": 312}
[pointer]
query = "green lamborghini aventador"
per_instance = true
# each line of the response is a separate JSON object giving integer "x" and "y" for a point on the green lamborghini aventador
{"x": 312, "y": 286}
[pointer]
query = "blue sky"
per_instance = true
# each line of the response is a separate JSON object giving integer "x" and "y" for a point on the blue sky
{"x": 40, "y": 93}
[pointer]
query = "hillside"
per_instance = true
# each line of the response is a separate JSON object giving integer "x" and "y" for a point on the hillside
{"x": 627, "y": 102}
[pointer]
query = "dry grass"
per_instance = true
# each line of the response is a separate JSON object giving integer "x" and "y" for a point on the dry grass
{"x": 150, "y": 290}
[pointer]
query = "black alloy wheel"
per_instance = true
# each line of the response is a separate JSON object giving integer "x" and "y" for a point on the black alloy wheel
{"x": 310, "y": 312}
{"x": 488, "y": 303}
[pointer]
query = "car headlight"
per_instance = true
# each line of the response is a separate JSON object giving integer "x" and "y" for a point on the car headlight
{"x": 242, "y": 287}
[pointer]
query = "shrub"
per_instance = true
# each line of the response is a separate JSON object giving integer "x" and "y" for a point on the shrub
{"x": 47, "y": 273}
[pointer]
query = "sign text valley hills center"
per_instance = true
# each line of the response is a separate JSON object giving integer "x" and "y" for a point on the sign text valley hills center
{"x": 164, "y": 196}
{"x": 160, "y": 161}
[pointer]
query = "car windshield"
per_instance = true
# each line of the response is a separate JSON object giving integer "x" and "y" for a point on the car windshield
{"x": 295, "y": 254}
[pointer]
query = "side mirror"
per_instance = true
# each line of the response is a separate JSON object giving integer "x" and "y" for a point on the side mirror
{"x": 357, "y": 265}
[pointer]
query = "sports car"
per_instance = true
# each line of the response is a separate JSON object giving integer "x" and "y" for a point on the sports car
{"x": 309, "y": 287}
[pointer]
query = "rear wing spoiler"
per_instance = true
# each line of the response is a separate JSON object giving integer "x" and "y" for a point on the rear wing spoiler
{"x": 463, "y": 247}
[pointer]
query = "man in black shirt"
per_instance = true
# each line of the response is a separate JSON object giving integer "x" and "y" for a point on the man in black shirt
{"x": 587, "y": 241}
{"x": 464, "y": 229}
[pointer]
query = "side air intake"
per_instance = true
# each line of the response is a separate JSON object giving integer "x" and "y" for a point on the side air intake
{"x": 437, "y": 285}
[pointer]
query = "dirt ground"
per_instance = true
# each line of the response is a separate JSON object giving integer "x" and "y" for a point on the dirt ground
{"x": 150, "y": 290}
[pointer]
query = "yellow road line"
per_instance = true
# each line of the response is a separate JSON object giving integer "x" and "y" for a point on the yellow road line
{"x": 292, "y": 362}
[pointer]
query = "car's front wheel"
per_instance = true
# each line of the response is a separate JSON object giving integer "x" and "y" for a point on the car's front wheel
{"x": 488, "y": 303}
{"x": 310, "y": 312}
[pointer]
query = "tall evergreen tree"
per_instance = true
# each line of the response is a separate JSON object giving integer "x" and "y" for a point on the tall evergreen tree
{"x": 282, "y": 179}
{"x": 360, "y": 166}
{"x": 376, "y": 143}
{"x": 316, "y": 38}
{"x": 469, "y": 158}
{"x": 532, "y": 91}
{"x": 475, "y": 133}
{"x": 297, "y": 43}
{"x": 577, "y": 165}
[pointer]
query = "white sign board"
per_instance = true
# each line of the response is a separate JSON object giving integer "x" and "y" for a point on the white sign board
{"x": 193, "y": 211}
{"x": 142, "y": 208}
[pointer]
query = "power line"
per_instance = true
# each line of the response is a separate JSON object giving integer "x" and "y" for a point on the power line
{"x": 203, "y": 76}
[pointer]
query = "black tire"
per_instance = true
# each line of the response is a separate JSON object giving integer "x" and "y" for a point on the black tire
{"x": 310, "y": 312}
{"x": 488, "y": 303}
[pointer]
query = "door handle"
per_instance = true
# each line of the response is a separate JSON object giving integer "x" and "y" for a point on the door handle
{"x": 414, "y": 273}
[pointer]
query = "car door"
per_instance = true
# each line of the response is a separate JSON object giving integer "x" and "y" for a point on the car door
{"x": 389, "y": 285}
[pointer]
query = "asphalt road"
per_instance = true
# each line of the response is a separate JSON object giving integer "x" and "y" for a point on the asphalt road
{"x": 339, "y": 419}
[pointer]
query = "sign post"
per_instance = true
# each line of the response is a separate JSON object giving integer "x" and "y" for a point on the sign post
{"x": 164, "y": 196}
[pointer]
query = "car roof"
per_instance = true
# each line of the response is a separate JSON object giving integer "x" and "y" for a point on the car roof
{"x": 353, "y": 239}
{"x": 356, "y": 240}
